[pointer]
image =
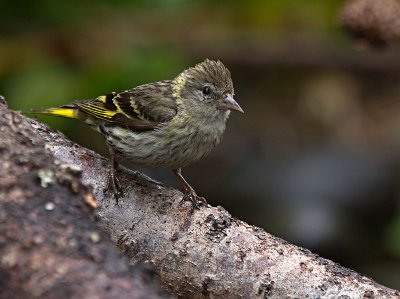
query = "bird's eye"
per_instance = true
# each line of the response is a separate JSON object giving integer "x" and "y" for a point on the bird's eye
{"x": 206, "y": 90}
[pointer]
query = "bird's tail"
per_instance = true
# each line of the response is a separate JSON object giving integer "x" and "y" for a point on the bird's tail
{"x": 68, "y": 111}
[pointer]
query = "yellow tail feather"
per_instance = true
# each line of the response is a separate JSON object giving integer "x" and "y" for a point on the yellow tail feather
{"x": 63, "y": 112}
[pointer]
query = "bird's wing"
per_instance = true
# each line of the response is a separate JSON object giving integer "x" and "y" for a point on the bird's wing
{"x": 140, "y": 109}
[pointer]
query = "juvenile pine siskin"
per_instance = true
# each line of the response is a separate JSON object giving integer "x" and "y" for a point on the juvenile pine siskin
{"x": 166, "y": 124}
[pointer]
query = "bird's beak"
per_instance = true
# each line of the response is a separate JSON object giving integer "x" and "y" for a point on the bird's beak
{"x": 228, "y": 103}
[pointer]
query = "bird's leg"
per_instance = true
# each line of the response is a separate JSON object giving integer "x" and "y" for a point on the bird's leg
{"x": 188, "y": 191}
{"x": 113, "y": 182}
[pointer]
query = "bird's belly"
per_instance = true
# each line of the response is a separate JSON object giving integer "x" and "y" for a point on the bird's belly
{"x": 163, "y": 148}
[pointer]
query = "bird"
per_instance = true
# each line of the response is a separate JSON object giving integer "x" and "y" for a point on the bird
{"x": 166, "y": 124}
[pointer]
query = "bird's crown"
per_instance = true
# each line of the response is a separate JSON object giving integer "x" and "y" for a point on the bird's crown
{"x": 207, "y": 72}
{"x": 212, "y": 72}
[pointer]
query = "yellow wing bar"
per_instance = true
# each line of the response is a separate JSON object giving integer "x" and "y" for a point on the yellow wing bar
{"x": 96, "y": 111}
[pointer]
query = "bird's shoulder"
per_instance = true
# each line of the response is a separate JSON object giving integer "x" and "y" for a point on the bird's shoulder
{"x": 152, "y": 101}
{"x": 140, "y": 108}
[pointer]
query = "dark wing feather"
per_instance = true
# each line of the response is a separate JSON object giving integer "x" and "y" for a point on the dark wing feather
{"x": 140, "y": 109}
{"x": 153, "y": 102}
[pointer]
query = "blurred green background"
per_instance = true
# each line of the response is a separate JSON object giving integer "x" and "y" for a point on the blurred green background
{"x": 315, "y": 159}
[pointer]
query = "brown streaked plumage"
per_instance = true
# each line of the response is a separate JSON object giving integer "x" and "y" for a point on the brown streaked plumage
{"x": 167, "y": 124}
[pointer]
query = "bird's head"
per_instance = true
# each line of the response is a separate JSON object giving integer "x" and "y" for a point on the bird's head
{"x": 207, "y": 89}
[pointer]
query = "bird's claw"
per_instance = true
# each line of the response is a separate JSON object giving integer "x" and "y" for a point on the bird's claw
{"x": 195, "y": 200}
{"x": 114, "y": 186}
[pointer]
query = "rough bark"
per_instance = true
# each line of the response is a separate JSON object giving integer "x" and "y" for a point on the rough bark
{"x": 50, "y": 243}
{"x": 207, "y": 254}
{"x": 377, "y": 22}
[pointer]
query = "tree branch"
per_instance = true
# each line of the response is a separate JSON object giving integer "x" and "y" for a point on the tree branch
{"x": 207, "y": 254}
{"x": 50, "y": 243}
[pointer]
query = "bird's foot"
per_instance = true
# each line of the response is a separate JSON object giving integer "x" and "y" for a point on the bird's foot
{"x": 196, "y": 201}
{"x": 113, "y": 185}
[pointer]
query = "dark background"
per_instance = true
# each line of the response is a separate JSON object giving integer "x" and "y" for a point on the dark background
{"x": 315, "y": 157}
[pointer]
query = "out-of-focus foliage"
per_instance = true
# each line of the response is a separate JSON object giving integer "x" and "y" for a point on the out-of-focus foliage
{"x": 315, "y": 157}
